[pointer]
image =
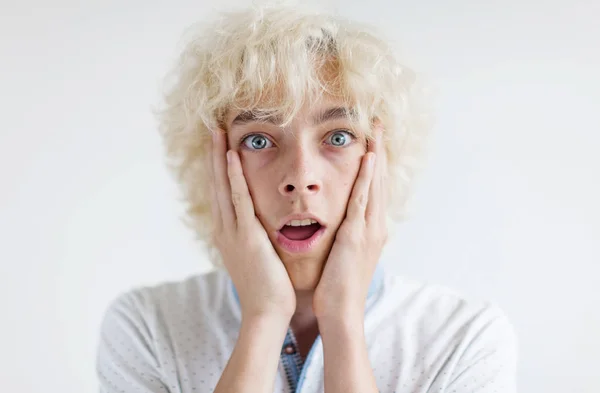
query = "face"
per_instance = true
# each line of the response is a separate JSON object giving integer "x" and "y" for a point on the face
{"x": 300, "y": 179}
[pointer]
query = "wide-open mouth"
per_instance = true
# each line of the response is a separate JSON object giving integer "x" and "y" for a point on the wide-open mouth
{"x": 298, "y": 231}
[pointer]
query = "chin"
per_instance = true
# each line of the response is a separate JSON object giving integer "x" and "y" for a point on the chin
{"x": 305, "y": 285}
{"x": 304, "y": 271}
{"x": 305, "y": 266}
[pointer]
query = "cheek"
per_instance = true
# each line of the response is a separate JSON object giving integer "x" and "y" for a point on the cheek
{"x": 346, "y": 174}
{"x": 257, "y": 180}
{"x": 347, "y": 170}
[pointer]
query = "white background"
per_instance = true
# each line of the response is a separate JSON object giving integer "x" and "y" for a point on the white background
{"x": 508, "y": 208}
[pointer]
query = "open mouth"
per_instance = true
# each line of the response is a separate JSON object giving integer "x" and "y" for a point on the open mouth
{"x": 300, "y": 232}
{"x": 299, "y": 236}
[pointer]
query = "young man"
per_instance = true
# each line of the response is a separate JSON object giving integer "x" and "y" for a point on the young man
{"x": 294, "y": 137}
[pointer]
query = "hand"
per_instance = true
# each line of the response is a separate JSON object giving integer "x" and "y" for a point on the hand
{"x": 344, "y": 284}
{"x": 259, "y": 276}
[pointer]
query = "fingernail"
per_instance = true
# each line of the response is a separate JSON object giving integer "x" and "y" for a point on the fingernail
{"x": 229, "y": 153}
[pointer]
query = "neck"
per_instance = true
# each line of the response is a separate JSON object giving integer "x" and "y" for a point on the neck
{"x": 304, "y": 323}
{"x": 304, "y": 315}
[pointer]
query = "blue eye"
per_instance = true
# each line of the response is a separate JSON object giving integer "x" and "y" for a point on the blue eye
{"x": 257, "y": 142}
{"x": 340, "y": 138}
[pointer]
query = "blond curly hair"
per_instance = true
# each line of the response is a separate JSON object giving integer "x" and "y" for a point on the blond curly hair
{"x": 273, "y": 58}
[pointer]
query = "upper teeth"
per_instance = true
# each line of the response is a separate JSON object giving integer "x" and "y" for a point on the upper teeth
{"x": 299, "y": 223}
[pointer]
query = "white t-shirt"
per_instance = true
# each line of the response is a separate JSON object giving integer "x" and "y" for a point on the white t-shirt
{"x": 178, "y": 337}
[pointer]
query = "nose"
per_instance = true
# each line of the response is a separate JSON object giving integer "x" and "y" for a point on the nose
{"x": 301, "y": 178}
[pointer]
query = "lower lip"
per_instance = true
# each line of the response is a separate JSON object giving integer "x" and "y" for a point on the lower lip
{"x": 299, "y": 246}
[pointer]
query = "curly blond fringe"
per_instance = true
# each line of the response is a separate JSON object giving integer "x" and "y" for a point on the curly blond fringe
{"x": 274, "y": 58}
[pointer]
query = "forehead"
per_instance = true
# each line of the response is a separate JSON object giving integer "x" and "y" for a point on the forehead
{"x": 324, "y": 110}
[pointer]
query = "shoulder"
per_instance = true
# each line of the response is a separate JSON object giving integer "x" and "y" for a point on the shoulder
{"x": 437, "y": 304}
{"x": 146, "y": 330}
{"x": 464, "y": 344}
{"x": 436, "y": 314}
{"x": 193, "y": 298}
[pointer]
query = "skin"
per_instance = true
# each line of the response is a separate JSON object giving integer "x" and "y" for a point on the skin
{"x": 305, "y": 158}
{"x": 270, "y": 173}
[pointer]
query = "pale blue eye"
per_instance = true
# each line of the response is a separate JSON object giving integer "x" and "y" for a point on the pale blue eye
{"x": 257, "y": 142}
{"x": 340, "y": 138}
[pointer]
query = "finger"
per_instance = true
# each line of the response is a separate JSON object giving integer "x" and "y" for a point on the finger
{"x": 374, "y": 204}
{"x": 360, "y": 191}
{"x": 214, "y": 201}
{"x": 383, "y": 179}
{"x": 222, "y": 188}
{"x": 240, "y": 195}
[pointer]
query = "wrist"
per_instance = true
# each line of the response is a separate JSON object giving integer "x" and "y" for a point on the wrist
{"x": 339, "y": 312}
{"x": 343, "y": 340}
{"x": 270, "y": 323}
{"x": 265, "y": 334}
{"x": 350, "y": 326}
{"x": 334, "y": 307}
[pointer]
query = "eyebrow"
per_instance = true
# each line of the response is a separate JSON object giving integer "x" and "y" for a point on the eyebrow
{"x": 254, "y": 117}
{"x": 329, "y": 114}
{"x": 335, "y": 113}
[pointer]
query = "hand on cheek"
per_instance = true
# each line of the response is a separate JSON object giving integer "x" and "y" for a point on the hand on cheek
{"x": 263, "y": 285}
{"x": 344, "y": 284}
